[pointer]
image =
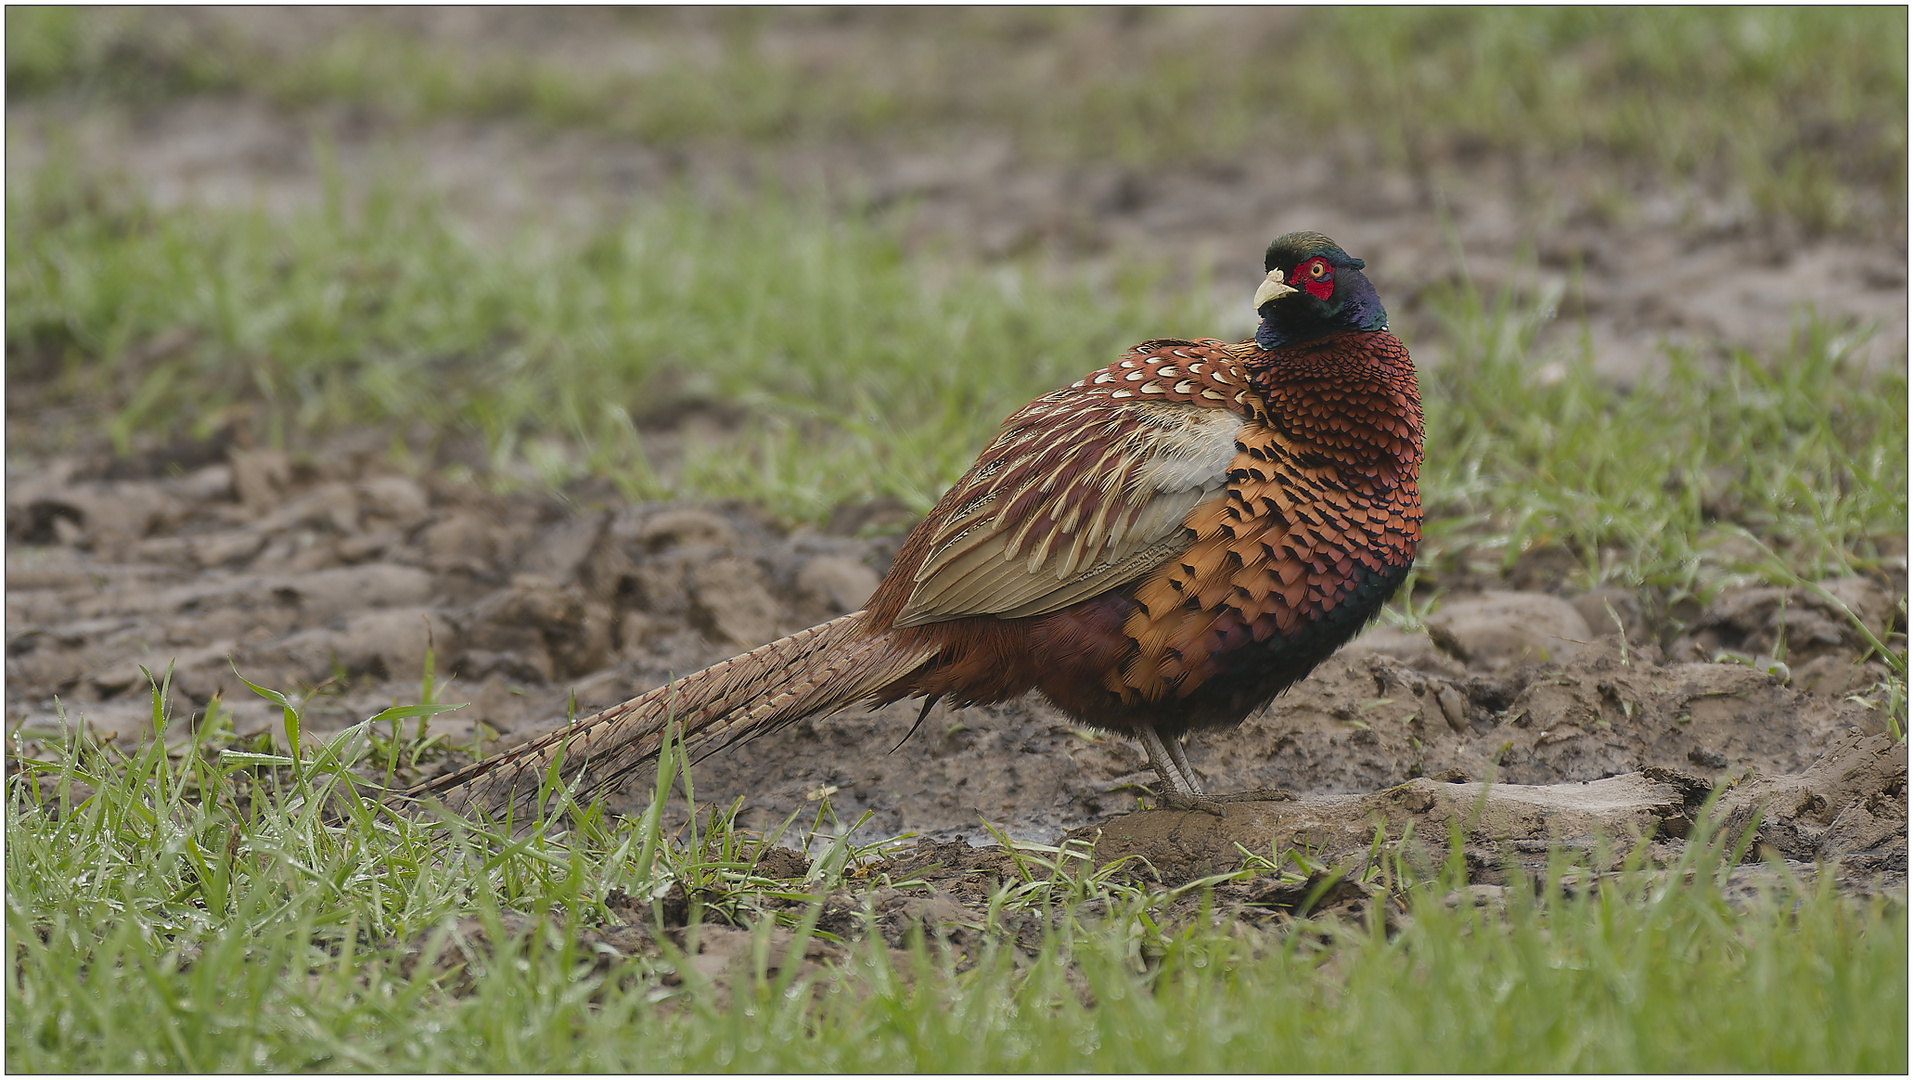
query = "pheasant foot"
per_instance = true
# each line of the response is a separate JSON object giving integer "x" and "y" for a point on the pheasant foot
{"x": 1168, "y": 799}
{"x": 1254, "y": 795}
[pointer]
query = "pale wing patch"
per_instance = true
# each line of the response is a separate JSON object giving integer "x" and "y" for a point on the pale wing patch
{"x": 1077, "y": 507}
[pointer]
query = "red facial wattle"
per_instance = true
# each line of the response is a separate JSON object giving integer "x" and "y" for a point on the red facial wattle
{"x": 1315, "y": 276}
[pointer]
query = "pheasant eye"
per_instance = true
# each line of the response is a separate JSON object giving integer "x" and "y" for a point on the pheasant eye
{"x": 1316, "y": 277}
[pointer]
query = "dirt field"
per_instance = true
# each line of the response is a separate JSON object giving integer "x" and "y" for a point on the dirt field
{"x": 328, "y": 566}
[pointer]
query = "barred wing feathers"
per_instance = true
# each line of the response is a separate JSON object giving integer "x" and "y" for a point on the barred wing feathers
{"x": 1084, "y": 490}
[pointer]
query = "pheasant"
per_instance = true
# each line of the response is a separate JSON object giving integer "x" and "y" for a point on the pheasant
{"x": 1160, "y": 547}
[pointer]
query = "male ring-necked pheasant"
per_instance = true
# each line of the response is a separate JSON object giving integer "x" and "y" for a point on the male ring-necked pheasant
{"x": 1159, "y": 547}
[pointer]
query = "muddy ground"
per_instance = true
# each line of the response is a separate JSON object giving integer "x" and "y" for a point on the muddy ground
{"x": 336, "y": 572}
{"x": 328, "y": 566}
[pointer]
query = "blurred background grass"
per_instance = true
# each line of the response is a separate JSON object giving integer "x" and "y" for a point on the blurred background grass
{"x": 1804, "y": 107}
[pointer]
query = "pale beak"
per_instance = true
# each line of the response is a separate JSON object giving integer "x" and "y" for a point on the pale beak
{"x": 1271, "y": 288}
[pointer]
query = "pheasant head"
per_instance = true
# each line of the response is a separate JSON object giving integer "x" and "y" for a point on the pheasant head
{"x": 1314, "y": 289}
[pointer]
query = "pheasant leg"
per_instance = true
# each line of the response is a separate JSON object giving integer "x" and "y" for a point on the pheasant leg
{"x": 1173, "y": 779}
{"x": 1181, "y": 757}
{"x": 1179, "y": 790}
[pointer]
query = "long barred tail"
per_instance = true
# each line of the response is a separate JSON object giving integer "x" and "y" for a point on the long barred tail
{"x": 812, "y": 672}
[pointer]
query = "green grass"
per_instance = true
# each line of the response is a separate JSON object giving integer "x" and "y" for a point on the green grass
{"x": 1653, "y": 485}
{"x": 193, "y": 909}
{"x": 1800, "y": 110}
